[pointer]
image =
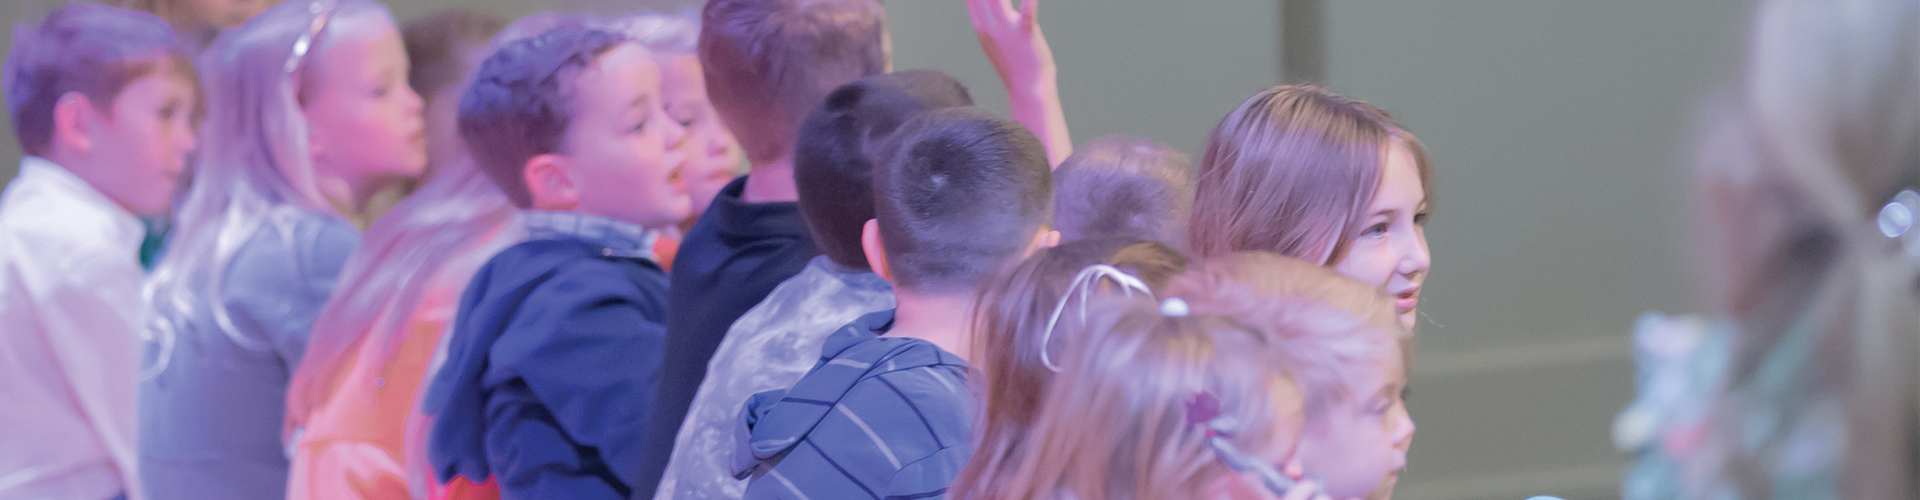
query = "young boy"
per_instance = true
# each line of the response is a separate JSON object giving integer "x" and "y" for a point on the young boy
{"x": 101, "y": 99}
{"x": 886, "y": 412}
{"x": 549, "y": 378}
{"x": 776, "y": 342}
{"x": 1124, "y": 187}
{"x": 768, "y": 63}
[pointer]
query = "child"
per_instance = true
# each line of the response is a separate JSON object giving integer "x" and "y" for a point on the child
{"x": 1321, "y": 178}
{"x": 1123, "y": 187}
{"x": 775, "y": 343}
{"x": 1801, "y": 382}
{"x": 1252, "y": 374}
{"x": 309, "y": 114}
{"x": 1016, "y": 313}
{"x": 713, "y": 156}
{"x": 100, "y": 98}
{"x": 886, "y": 412}
{"x": 350, "y": 408}
{"x": 199, "y": 21}
{"x": 767, "y": 64}
{"x": 549, "y": 378}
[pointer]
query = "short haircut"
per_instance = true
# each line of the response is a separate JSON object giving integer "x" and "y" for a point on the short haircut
{"x": 768, "y": 63}
{"x": 437, "y": 47}
{"x": 92, "y": 49}
{"x": 1123, "y": 187}
{"x": 961, "y": 192}
{"x": 833, "y": 163}
{"x": 521, "y": 102}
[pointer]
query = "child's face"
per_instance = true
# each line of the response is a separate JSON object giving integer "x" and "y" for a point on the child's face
{"x": 1359, "y": 445}
{"x": 366, "y": 122}
{"x": 622, "y": 149}
{"x": 711, "y": 151}
{"x": 145, "y": 141}
{"x": 1391, "y": 250}
{"x": 443, "y": 117}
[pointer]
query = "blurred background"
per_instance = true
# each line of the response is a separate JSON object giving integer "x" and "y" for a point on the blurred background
{"x": 1560, "y": 131}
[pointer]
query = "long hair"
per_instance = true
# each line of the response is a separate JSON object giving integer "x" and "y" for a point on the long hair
{"x": 1293, "y": 170}
{"x": 1823, "y": 132}
{"x": 1271, "y": 360}
{"x": 254, "y": 168}
{"x": 1011, "y": 309}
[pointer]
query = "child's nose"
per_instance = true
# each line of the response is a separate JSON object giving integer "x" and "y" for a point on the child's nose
{"x": 1414, "y": 258}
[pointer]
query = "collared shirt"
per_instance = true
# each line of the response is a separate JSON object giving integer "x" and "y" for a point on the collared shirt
{"x": 616, "y": 238}
{"x": 69, "y": 340}
{"x": 770, "y": 347}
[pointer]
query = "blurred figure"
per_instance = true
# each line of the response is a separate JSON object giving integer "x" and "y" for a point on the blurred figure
{"x": 1802, "y": 383}
{"x": 101, "y": 99}
{"x": 351, "y": 406}
{"x": 198, "y": 22}
{"x": 713, "y": 156}
{"x": 1123, "y": 187}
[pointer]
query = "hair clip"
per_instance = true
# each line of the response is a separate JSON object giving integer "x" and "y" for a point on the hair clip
{"x": 1204, "y": 409}
{"x": 322, "y": 10}
{"x": 1897, "y": 220}
{"x": 1084, "y": 283}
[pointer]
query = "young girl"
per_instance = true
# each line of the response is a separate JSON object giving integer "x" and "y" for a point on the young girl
{"x": 1318, "y": 177}
{"x": 1012, "y": 329}
{"x": 713, "y": 156}
{"x": 1802, "y": 385}
{"x": 1225, "y": 389}
{"x": 308, "y": 114}
{"x": 351, "y": 412}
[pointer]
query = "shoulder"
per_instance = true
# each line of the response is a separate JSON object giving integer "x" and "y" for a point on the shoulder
{"x": 292, "y": 248}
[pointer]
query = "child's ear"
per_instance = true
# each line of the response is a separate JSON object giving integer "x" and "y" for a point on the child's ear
{"x": 876, "y": 252}
{"x": 74, "y": 118}
{"x": 1046, "y": 238}
{"x": 550, "y": 183}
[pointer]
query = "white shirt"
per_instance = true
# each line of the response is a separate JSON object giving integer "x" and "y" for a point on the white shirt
{"x": 70, "y": 302}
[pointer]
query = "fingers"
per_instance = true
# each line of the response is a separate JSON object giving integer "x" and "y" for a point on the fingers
{"x": 1026, "y": 11}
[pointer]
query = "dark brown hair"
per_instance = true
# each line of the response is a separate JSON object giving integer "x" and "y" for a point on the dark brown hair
{"x": 437, "y": 46}
{"x": 521, "y": 102}
{"x": 92, "y": 49}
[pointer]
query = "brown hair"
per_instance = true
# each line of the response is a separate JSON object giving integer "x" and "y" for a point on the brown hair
{"x": 1120, "y": 186}
{"x": 1293, "y": 170}
{"x": 1272, "y": 360}
{"x": 437, "y": 45}
{"x": 1011, "y": 309}
{"x": 92, "y": 49}
{"x": 768, "y": 63}
{"x": 521, "y": 102}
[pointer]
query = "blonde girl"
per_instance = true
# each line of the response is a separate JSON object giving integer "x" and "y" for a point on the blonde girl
{"x": 308, "y": 113}
{"x": 1316, "y": 176}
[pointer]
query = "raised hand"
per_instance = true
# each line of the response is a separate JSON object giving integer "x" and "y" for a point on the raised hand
{"x": 1013, "y": 43}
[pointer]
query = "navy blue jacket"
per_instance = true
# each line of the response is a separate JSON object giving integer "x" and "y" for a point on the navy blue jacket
{"x": 550, "y": 374}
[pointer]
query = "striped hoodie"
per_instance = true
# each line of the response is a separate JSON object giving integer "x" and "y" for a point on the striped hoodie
{"x": 878, "y": 418}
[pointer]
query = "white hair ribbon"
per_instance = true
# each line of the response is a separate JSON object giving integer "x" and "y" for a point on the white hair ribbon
{"x": 1084, "y": 282}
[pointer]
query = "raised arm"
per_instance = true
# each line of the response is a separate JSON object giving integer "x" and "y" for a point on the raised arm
{"x": 1019, "y": 52}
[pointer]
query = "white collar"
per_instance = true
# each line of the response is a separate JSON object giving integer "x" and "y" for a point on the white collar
{"x": 57, "y": 180}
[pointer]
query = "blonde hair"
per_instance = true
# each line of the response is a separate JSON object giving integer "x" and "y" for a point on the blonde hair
{"x": 1293, "y": 170}
{"x": 1272, "y": 360}
{"x": 1823, "y": 132}
{"x": 254, "y": 167}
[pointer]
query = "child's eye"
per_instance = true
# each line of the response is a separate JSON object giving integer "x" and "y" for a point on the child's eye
{"x": 381, "y": 91}
{"x": 1420, "y": 219}
{"x": 167, "y": 113}
{"x": 640, "y": 126}
{"x": 1375, "y": 230}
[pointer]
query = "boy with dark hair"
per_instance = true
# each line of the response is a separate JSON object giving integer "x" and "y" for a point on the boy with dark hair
{"x": 1124, "y": 187}
{"x": 101, "y": 99}
{"x": 776, "y": 342}
{"x": 768, "y": 63}
{"x": 550, "y": 372}
{"x": 886, "y": 411}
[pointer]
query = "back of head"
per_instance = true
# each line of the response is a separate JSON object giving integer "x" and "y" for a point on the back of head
{"x": 833, "y": 162}
{"x": 520, "y": 103}
{"x": 88, "y": 48}
{"x": 1817, "y": 145}
{"x": 1293, "y": 170}
{"x": 1012, "y": 309}
{"x": 959, "y": 192}
{"x": 1124, "y": 187}
{"x": 769, "y": 63}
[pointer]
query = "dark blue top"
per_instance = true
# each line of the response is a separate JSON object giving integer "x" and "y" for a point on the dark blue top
{"x": 878, "y": 418}
{"x": 550, "y": 375}
{"x": 731, "y": 259}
